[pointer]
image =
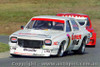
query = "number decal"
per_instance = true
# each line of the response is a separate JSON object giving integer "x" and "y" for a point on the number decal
{"x": 76, "y": 39}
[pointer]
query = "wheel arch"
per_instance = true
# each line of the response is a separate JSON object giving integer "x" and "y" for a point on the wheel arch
{"x": 85, "y": 37}
{"x": 65, "y": 43}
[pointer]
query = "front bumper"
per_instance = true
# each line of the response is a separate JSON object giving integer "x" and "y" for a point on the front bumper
{"x": 32, "y": 52}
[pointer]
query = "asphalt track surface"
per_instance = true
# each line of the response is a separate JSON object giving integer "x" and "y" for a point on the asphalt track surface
{"x": 91, "y": 58}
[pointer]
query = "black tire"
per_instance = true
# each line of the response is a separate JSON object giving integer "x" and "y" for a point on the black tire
{"x": 91, "y": 46}
{"x": 81, "y": 50}
{"x": 13, "y": 55}
{"x": 61, "y": 51}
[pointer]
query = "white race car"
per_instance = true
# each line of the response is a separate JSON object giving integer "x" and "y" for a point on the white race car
{"x": 49, "y": 35}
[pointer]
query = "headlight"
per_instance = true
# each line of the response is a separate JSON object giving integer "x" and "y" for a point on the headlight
{"x": 91, "y": 34}
{"x": 13, "y": 39}
{"x": 48, "y": 42}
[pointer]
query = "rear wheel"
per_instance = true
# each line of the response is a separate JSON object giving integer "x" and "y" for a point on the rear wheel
{"x": 81, "y": 50}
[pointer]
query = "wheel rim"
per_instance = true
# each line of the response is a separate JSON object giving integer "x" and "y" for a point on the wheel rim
{"x": 61, "y": 51}
{"x": 83, "y": 48}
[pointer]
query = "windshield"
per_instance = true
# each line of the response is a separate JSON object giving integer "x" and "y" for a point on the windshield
{"x": 43, "y": 25}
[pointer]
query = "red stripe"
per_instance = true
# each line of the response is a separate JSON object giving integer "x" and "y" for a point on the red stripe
{"x": 47, "y": 19}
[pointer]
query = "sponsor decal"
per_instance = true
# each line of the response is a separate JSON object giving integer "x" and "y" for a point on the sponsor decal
{"x": 75, "y": 42}
{"x": 55, "y": 43}
{"x": 46, "y": 51}
{"x": 31, "y": 50}
{"x": 76, "y": 37}
{"x": 23, "y": 53}
{"x": 27, "y": 34}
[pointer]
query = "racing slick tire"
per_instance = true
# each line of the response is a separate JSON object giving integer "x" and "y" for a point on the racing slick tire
{"x": 61, "y": 50}
{"x": 81, "y": 50}
{"x": 13, "y": 55}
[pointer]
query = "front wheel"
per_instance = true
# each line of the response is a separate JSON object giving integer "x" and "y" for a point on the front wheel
{"x": 13, "y": 55}
{"x": 61, "y": 51}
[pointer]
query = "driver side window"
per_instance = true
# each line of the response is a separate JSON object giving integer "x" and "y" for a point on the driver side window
{"x": 68, "y": 28}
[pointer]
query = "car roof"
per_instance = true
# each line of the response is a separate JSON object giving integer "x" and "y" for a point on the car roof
{"x": 75, "y": 14}
{"x": 53, "y": 17}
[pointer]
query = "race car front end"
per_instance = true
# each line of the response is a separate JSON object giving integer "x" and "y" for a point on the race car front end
{"x": 32, "y": 47}
{"x": 40, "y": 37}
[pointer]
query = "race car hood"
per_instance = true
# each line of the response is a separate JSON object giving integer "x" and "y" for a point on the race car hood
{"x": 38, "y": 33}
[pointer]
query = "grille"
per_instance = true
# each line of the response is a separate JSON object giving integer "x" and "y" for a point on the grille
{"x": 30, "y": 43}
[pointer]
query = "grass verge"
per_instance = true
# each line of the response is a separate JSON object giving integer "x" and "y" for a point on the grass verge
{"x": 4, "y": 47}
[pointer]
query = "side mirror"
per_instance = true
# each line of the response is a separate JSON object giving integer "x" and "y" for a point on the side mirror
{"x": 22, "y": 27}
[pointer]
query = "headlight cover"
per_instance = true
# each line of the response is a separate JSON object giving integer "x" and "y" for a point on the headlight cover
{"x": 13, "y": 39}
{"x": 48, "y": 42}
